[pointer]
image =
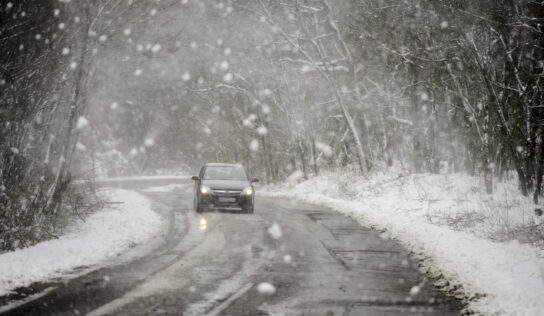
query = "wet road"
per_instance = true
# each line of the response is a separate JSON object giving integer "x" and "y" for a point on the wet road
{"x": 317, "y": 262}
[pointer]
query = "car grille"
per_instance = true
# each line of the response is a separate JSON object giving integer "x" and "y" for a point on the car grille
{"x": 232, "y": 193}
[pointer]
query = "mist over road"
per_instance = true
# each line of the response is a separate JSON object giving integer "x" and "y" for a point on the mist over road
{"x": 287, "y": 258}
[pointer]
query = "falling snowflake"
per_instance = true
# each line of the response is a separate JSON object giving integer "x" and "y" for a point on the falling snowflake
{"x": 65, "y": 51}
{"x": 228, "y": 77}
{"x": 324, "y": 148}
{"x": 114, "y": 105}
{"x": 82, "y": 122}
{"x": 287, "y": 258}
{"x": 156, "y": 48}
{"x": 127, "y": 31}
{"x": 62, "y": 26}
{"x": 415, "y": 290}
{"x": 254, "y": 145}
{"x": 186, "y": 76}
{"x": 262, "y": 130}
{"x": 266, "y": 288}
{"x": 149, "y": 142}
{"x": 103, "y": 38}
{"x": 275, "y": 231}
{"x": 224, "y": 65}
{"x": 138, "y": 72}
{"x": 73, "y": 65}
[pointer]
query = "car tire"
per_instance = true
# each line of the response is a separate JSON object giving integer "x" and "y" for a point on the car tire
{"x": 197, "y": 207}
{"x": 249, "y": 209}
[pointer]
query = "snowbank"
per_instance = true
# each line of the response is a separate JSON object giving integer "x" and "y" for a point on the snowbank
{"x": 451, "y": 225}
{"x": 169, "y": 188}
{"x": 106, "y": 180}
{"x": 99, "y": 237}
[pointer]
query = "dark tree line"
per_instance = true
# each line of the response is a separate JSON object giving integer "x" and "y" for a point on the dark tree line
{"x": 46, "y": 52}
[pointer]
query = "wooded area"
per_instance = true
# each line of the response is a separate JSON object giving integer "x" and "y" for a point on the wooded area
{"x": 282, "y": 87}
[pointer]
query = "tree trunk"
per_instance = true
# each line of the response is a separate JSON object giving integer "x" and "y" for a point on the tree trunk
{"x": 539, "y": 163}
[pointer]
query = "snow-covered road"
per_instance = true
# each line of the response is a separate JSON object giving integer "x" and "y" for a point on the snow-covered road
{"x": 287, "y": 258}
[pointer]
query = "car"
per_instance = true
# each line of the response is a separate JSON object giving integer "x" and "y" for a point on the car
{"x": 223, "y": 186}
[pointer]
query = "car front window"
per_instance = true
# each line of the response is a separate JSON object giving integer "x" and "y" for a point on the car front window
{"x": 224, "y": 173}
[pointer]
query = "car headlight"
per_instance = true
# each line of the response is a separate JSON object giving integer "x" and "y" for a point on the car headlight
{"x": 204, "y": 189}
{"x": 247, "y": 191}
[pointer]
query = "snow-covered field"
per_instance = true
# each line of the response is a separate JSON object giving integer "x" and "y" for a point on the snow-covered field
{"x": 100, "y": 237}
{"x": 458, "y": 233}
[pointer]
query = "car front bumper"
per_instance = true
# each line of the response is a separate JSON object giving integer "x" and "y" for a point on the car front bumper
{"x": 225, "y": 201}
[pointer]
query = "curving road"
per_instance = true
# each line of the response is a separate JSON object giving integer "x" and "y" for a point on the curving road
{"x": 286, "y": 259}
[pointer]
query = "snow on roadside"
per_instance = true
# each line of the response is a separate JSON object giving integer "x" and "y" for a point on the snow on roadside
{"x": 106, "y": 180}
{"x": 169, "y": 188}
{"x": 410, "y": 209}
{"x": 101, "y": 236}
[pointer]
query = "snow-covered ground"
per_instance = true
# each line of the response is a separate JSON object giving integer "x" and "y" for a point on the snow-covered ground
{"x": 100, "y": 237}
{"x": 459, "y": 233}
{"x": 105, "y": 180}
{"x": 169, "y": 188}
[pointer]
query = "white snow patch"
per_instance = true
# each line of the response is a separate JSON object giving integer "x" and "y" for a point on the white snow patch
{"x": 101, "y": 236}
{"x": 167, "y": 188}
{"x": 138, "y": 178}
{"x": 295, "y": 177}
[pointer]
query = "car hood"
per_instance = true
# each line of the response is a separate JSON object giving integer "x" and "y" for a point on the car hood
{"x": 226, "y": 184}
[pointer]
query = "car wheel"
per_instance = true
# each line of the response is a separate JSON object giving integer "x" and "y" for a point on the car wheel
{"x": 197, "y": 207}
{"x": 249, "y": 209}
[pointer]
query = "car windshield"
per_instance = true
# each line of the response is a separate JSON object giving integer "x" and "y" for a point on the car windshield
{"x": 224, "y": 173}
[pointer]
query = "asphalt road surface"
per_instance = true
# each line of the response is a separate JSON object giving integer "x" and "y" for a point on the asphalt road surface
{"x": 286, "y": 259}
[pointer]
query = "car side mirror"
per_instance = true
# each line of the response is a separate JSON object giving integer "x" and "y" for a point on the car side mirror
{"x": 254, "y": 180}
{"x": 196, "y": 178}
